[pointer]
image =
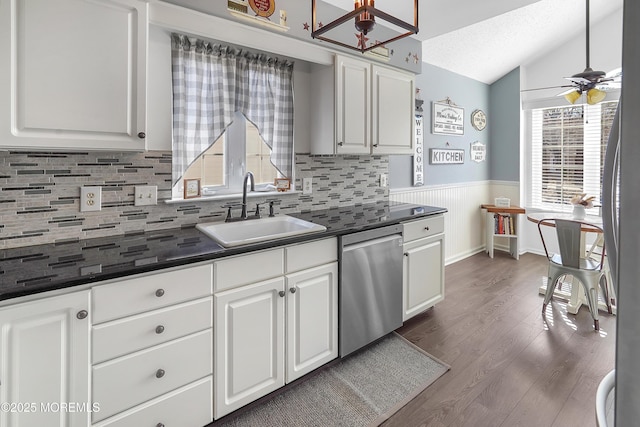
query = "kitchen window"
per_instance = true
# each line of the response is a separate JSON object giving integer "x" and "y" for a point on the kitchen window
{"x": 567, "y": 153}
{"x": 232, "y": 113}
{"x": 239, "y": 150}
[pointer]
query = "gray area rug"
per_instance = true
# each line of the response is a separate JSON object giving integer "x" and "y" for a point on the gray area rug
{"x": 361, "y": 390}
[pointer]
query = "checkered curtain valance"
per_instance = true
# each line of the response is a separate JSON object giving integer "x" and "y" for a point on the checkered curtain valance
{"x": 211, "y": 82}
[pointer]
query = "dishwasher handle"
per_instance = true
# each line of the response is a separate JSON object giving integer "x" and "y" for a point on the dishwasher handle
{"x": 355, "y": 246}
{"x": 367, "y": 235}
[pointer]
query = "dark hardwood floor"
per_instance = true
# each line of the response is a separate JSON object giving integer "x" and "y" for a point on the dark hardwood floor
{"x": 509, "y": 366}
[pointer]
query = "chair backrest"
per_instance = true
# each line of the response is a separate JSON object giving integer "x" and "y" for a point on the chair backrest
{"x": 569, "y": 233}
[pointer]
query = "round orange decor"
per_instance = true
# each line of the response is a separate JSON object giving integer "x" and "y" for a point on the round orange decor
{"x": 264, "y": 8}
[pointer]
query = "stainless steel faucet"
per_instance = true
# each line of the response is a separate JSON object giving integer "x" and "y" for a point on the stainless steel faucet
{"x": 243, "y": 215}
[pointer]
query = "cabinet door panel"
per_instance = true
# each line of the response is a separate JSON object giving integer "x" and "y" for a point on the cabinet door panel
{"x": 423, "y": 274}
{"x": 393, "y": 111}
{"x": 353, "y": 111}
{"x": 312, "y": 319}
{"x": 44, "y": 359}
{"x": 249, "y": 344}
{"x": 76, "y": 73}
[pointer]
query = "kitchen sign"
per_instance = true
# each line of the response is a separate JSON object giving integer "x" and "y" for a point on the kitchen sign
{"x": 418, "y": 155}
{"x": 447, "y": 119}
{"x": 446, "y": 156}
{"x": 263, "y": 8}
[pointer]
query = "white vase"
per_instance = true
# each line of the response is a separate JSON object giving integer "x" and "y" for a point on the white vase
{"x": 578, "y": 212}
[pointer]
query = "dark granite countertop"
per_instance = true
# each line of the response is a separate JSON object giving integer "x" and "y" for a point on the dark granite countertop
{"x": 33, "y": 269}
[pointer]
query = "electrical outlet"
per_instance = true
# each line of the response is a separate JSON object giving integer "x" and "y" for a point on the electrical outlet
{"x": 283, "y": 18}
{"x": 384, "y": 180}
{"x": 146, "y": 195}
{"x": 90, "y": 199}
{"x": 307, "y": 185}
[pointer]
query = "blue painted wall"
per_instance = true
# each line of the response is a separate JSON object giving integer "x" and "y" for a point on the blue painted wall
{"x": 436, "y": 84}
{"x": 504, "y": 106}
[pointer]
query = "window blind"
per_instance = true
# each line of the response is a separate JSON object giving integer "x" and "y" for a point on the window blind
{"x": 567, "y": 152}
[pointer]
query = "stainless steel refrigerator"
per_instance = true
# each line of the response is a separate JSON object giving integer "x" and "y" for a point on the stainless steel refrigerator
{"x": 621, "y": 214}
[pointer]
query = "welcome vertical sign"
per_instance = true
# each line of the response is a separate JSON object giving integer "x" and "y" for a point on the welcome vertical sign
{"x": 418, "y": 155}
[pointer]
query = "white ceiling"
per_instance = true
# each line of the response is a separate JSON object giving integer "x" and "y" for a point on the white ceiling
{"x": 485, "y": 39}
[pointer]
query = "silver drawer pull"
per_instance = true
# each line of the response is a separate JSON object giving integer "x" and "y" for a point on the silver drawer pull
{"x": 160, "y": 373}
{"x": 281, "y": 293}
{"x": 159, "y": 293}
{"x": 159, "y": 425}
{"x": 159, "y": 329}
{"x": 426, "y": 228}
{"x": 82, "y": 314}
{"x": 292, "y": 290}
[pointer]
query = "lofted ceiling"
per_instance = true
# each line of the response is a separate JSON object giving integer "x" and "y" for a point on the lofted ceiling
{"x": 486, "y": 39}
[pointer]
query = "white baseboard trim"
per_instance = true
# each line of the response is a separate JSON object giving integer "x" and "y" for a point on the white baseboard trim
{"x": 464, "y": 255}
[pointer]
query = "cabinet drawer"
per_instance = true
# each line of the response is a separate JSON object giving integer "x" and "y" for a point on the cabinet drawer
{"x": 188, "y": 406}
{"x": 123, "y": 336}
{"x": 145, "y": 293}
{"x": 420, "y": 228}
{"x": 130, "y": 380}
{"x": 245, "y": 269}
{"x": 308, "y": 255}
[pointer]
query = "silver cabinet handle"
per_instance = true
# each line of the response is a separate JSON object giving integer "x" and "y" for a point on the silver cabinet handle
{"x": 406, "y": 254}
{"x": 292, "y": 290}
{"x": 376, "y": 144}
{"x": 159, "y": 425}
{"x": 142, "y": 135}
{"x": 340, "y": 143}
{"x": 82, "y": 314}
{"x": 426, "y": 228}
{"x": 159, "y": 329}
{"x": 281, "y": 293}
{"x": 160, "y": 373}
{"x": 159, "y": 293}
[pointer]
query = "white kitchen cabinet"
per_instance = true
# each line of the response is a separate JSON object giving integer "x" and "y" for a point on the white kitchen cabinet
{"x": 278, "y": 329}
{"x": 249, "y": 344}
{"x": 73, "y": 74}
{"x": 393, "y": 101}
{"x": 312, "y": 319}
{"x": 370, "y": 111}
{"x": 423, "y": 266}
{"x": 44, "y": 362}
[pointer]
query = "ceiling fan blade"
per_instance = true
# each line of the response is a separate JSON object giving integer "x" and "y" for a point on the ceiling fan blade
{"x": 578, "y": 80}
{"x": 616, "y": 73}
{"x": 568, "y": 91}
{"x": 612, "y": 85}
{"x": 544, "y": 88}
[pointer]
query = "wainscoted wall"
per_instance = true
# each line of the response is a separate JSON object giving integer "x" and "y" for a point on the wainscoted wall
{"x": 464, "y": 223}
{"x": 40, "y": 197}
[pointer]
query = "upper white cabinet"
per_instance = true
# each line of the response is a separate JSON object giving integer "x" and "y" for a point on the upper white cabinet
{"x": 370, "y": 110}
{"x": 44, "y": 355}
{"x": 73, "y": 74}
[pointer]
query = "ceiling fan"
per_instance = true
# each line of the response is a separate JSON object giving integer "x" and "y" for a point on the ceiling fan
{"x": 593, "y": 84}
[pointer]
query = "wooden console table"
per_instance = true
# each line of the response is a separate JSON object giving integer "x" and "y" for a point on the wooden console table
{"x": 510, "y": 214}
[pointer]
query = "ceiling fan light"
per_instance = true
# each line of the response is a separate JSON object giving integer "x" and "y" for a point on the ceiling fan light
{"x": 595, "y": 95}
{"x": 572, "y": 97}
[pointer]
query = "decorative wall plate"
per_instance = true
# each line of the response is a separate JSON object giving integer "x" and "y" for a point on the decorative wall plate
{"x": 478, "y": 120}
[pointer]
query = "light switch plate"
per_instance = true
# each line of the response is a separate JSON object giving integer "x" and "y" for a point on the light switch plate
{"x": 90, "y": 199}
{"x": 146, "y": 195}
{"x": 384, "y": 180}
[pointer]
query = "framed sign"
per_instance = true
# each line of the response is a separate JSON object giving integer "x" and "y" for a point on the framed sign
{"x": 191, "y": 188}
{"x": 418, "y": 154}
{"x": 446, "y": 156}
{"x": 282, "y": 184}
{"x": 447, "y": 119}
{"x": 478, "y": 152}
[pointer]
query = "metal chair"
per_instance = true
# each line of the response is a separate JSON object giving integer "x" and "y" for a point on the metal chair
{"x": 572, "y": 261}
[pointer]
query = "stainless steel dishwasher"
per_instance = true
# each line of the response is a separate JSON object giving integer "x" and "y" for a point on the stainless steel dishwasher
{"x": 370, "y": 286}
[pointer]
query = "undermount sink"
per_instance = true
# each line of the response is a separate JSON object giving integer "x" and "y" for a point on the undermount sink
{"x": 230, "y": 234}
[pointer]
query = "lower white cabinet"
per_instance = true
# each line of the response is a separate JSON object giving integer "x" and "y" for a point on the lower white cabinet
{"x": 249, "y": 344}
{"x": 274, "y": 331}
{"x": 44, "y": 362}
{"x": 312, "y": 319}
{"x": 423, "y": 266}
